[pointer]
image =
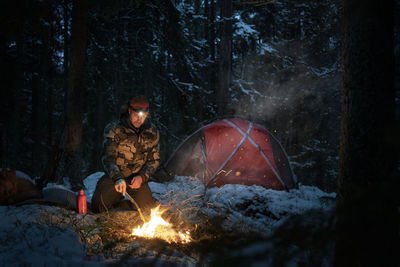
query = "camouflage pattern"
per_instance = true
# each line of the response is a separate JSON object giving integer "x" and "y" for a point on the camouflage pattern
{"x": 129, "y": 151}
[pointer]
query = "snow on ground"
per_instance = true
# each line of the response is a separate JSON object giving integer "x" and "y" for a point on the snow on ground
{"x": 246, "y": 207}
{"x": 26, "y": 239}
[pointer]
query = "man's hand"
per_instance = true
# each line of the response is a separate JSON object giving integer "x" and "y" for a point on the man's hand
{"x": 136, "y": 182}
{"x": 121, "y": 187}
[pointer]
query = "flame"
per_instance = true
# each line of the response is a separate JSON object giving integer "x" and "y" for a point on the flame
{"x": 157, "y": 227}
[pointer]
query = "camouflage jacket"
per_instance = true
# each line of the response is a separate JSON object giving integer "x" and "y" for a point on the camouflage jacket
{"x": 129, "y": 151}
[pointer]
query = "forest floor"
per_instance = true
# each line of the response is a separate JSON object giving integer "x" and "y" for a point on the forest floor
{"x": 231, "y": 224}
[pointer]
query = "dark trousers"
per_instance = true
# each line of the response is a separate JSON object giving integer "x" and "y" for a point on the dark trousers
{"x": 105, "y": 197}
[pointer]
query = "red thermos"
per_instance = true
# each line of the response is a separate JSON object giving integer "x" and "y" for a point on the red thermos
{"x": 82, "y": 203}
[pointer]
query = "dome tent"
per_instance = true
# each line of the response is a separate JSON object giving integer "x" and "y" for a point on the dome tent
{"x": 233, "y": 151}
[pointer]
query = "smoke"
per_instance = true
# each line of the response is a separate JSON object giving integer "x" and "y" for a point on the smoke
{"x": 272, "y": 96}
{"x": 299, "y": 103}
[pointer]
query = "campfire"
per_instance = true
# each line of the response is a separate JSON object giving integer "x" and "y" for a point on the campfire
{"x": 157, "y": 227}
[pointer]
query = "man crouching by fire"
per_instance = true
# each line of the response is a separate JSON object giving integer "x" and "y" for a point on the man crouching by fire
{"x": 131, "y": 155}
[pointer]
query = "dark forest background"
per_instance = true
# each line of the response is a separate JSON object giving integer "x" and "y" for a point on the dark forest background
{"x": 277, "y": 63}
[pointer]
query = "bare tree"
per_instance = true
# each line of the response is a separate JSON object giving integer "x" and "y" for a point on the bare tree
{"x": 74, "y": 125}
{"x": 225, "y": 60}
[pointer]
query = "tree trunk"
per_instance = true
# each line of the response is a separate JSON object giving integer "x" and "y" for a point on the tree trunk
{"x": 7, "y": 79}
{"x": 210, "y": 36}
{"x": 55, "y": 141}
{"x": 74, "y": 125}
{"x": 367, "y": 218}
{"x": 225, "y": 59}
{"x": 66, "y": 41}
{"x": 14, "y": 128}
{"x": 207, "y": 22}
{"x": 36, "y": 123}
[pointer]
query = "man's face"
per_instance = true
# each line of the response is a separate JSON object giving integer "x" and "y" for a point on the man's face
{"x": 137, "y": 117}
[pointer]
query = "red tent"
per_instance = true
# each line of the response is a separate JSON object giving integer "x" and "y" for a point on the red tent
{"x": 233, "y": 151}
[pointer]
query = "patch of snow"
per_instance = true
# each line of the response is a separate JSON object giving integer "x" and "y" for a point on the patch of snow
{"x": 322, "y": 71}
{"x": 25, "y": 241}
{"x": 265, "y": 47}
{"x": 200, "y": 17}
{"x": 244, "y": 30}
{"x": 252, "y": 15}
{"x": 243, "y": 207}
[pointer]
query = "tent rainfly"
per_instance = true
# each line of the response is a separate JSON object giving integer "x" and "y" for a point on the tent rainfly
{"x": 233, "y": 151}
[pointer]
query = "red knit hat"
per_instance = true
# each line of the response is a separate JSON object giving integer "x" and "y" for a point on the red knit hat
{"x": 139, "y": 102}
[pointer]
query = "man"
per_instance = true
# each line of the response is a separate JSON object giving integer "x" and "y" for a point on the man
{"x": 131, "y": 155}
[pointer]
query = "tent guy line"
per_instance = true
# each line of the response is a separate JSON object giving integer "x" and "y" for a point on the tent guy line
{"x": 245, "y": 137}
{"x": 257, "y": 146}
